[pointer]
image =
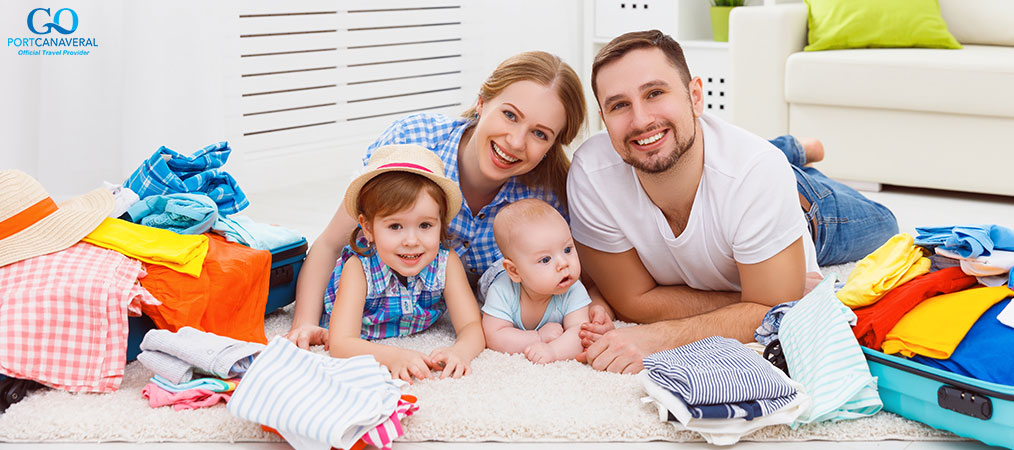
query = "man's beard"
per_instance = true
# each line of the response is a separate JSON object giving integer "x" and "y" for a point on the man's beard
{"x": 666, "y": 163}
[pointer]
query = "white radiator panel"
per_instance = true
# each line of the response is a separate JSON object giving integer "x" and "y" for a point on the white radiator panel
{"x": 311, "y": 72}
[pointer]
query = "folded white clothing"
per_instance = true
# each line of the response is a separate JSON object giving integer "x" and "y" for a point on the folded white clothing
{"x": 123, "y": 198}
{"x": 721, "y": 431}
{"x": 173, "y": 369}
{"x": 300, "y": 442}
{"x": 999, "y": 262}
{"x": 209, "y": 353}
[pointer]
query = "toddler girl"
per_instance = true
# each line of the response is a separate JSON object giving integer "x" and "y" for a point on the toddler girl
{"x": 400, "y": 279}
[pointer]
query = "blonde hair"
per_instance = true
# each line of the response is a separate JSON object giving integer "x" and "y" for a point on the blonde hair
{"x": 548, "y": 70}
{"x": 391, "y": 192}
{"x": 513, "y": 218}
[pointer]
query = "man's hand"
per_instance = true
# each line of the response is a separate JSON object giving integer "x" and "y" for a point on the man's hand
{"x": 306, "y": 336}
{"x": 620, "y": 350}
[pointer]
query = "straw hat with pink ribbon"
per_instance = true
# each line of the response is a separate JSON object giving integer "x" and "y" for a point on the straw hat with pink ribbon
{"x": 405, "y": 158}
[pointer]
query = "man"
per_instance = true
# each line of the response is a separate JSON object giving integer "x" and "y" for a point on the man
{"x": 686, "y": 223}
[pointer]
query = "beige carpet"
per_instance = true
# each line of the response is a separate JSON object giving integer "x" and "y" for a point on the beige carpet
{"x": 505, "y": 399}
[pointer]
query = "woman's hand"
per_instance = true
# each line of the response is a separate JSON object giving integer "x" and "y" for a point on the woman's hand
{"x": 406, "y": 364}
{"x": 450, "y": 362}
{"x": 308, "y": 335}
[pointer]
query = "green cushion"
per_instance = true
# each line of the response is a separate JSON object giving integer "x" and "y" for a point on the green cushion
{"x": 838, "y": 24}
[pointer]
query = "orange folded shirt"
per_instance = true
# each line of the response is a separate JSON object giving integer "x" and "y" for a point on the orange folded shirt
{"x": 227, "y": 299}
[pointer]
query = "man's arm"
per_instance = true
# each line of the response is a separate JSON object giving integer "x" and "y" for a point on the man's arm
{"x": 635, "y": 297}
{"x": 775, "y": 280}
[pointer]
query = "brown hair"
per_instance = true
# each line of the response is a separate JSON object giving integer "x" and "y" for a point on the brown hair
{"x": 391, "y": 192}
{"x": 547, "y": 70}
{"x": 634, "y": 40}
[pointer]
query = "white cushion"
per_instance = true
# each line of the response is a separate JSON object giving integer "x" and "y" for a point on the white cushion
{"x": 976, "y": 80}
{"x": 986, "y": 22}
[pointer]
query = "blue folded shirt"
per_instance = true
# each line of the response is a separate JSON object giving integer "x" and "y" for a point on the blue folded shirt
{"x": 181, "y": 213}
{"x": 985, "y": 351}
{"x": 969, "y": 241}
{"x": 168, "y": 172}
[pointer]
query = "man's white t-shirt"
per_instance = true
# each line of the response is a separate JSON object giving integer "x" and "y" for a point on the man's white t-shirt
{"x": 746, "y": 209}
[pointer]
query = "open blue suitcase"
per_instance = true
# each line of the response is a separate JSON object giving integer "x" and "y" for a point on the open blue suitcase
{"x": 285, "y": 264}
{"x": 948, "y": 401}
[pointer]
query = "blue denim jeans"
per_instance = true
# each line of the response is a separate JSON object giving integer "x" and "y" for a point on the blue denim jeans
{"x": 845, "y": 225}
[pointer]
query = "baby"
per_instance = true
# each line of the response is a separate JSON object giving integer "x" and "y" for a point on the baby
{"x": 536, "y": 304}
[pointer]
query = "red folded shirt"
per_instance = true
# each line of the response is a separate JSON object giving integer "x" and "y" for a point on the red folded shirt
{"x": 875, "y": 321}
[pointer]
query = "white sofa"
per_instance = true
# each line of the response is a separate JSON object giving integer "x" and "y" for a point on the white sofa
{"x": 916, "y": 117}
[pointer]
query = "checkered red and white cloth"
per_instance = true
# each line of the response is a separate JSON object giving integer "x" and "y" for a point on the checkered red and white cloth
{"x": 63, "y": 317}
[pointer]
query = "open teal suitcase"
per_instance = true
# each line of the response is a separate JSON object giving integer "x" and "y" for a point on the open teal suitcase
{"x": 285, "y": 264}
{"x": 948, "y": 401}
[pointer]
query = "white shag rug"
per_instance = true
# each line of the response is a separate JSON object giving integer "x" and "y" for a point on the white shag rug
{"x": 506, "y": 398}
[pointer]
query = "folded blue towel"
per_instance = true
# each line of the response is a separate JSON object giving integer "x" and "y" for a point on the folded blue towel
{"x": 260, "y": 236}
{"x": 181, "y": 213}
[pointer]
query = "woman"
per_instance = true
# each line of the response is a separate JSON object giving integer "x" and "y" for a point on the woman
{"x": 508, "y": 147}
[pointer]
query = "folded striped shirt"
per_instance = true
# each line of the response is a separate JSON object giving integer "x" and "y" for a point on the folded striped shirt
{"x": 330, "y": 400}
{"x": 823, "y": 355}
{"x": 716, "y": 371}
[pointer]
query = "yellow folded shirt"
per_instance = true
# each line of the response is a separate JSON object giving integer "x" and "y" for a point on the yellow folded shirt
{"x": 935, "y": 327}
{"x": 889, "y": 266}
{"x": 183, "y": 253}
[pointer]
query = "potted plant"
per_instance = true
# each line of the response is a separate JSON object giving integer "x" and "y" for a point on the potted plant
{"x": 720, "y": 10}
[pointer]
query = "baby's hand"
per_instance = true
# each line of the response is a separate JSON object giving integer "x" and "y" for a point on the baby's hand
{"x": 450, "y": 363}
{"x": 598, "y": 325}
{"x": 410, "y": 363}
{"x": 540, "y": 353}
{"x": 550, "y": 331}
{"x": 306, "y": 336}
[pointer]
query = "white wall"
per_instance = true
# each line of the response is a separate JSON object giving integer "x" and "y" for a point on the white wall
{"x": 157, "y": 79}
{"x": 154, "y": 79}
{"x": 505, "y": 28}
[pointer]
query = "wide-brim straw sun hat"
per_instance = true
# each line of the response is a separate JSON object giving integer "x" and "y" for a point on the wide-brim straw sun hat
{"x": 405, "y": 158}
{"x": 32, "y": 224}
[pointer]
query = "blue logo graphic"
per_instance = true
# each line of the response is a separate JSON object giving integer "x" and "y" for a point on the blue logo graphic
{"x": 55, "y": 23}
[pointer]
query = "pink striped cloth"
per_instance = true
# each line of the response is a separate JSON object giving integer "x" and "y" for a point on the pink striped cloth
{"x": 63, "y": 317}
{"x": 384, "y": 434}
{"x": 188, "y": 399}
